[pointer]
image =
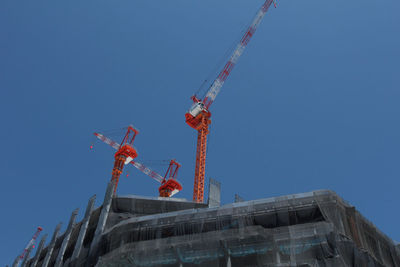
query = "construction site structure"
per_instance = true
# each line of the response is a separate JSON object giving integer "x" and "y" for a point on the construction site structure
{"x": 126, "y": 153}
{"x": 198, "y": 116}
{"x": 316, "y": 229}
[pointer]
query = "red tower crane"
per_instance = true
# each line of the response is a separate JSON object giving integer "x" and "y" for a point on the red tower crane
{"x": 169, "y": 184}
{"x": 125, "y": 152}
{"x": 198, "y": 116}
{"x": 31, "y": 243}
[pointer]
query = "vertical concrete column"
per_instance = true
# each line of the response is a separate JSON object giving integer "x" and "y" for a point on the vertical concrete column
{"x": 103, "y": 214}
{"x": 51, "y": 246}
{"x": 277, "y": 256}
{"x": 227, "y": 257}
{"x": 71, "y": 224}
{"x": 38, "y": 251}
{"x": 178, "y": 256}
{"x": 214, "y": 193}
{"x": 26, "y": 257}
{"x": 228, "y": 262}
{"x": 293, "y": 258}
{"x": 82, "y": 231}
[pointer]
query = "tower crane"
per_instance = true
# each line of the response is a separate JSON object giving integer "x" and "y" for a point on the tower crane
{"x": 198, "y": 116}
{"x": 125, "y": 152}
{"x": 30, "y": 244}
{"x": 169, "y": 184}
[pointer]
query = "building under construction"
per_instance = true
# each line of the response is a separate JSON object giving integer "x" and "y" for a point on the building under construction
{"x": 310, "y": 229}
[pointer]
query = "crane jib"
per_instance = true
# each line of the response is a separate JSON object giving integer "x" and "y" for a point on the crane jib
{"x": 223, "y": 75}
{"x": 226, "y": 71}
{"x": 266, "y": 5}
{"x": 246, "y": 38}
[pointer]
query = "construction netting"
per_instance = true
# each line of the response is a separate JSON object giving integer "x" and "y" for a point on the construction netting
{"x": 313, "y": 229}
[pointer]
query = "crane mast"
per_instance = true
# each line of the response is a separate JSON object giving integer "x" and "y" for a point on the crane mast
{"x": 198, "y": 116}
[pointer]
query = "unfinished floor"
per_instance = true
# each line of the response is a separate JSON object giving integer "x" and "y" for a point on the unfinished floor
{"x": 311, "y": 229}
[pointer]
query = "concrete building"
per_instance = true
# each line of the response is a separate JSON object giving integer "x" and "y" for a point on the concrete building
{"x": 311, "y": 229}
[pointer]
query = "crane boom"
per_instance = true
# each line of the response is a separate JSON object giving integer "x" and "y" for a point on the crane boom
{"x": 107, "y": 140}
{"x": 146, "y": 170}
{"x": 198, "y": 116}
{"x": 223, "y": 75}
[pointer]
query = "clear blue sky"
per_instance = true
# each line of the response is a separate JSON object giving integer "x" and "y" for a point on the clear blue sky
{"x": 312, "y": 104}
